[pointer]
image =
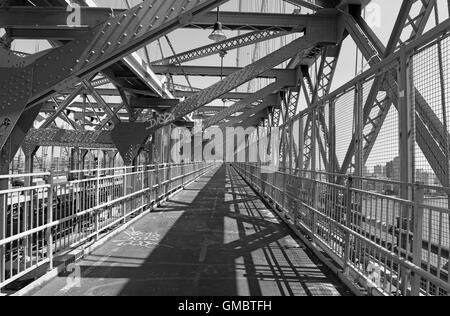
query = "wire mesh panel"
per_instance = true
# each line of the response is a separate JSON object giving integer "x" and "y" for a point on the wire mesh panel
{"x": 385, "y": 218}
{"x": 344, "y": 106}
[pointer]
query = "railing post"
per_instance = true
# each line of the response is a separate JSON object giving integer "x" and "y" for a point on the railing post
{"x": 124, "y": 203}
{"x": 315, "y": 197}
{"x": 406, "y": 143}
{"x": 182, "y": 175}
{"x": 3, "y": 202}
{"x": 157, "y": 182}
{"x": 96, "y": 224}
{"x": 285, "y": 167}
{"x": 169, "y": 179}
{"x": 49, "y": 236}
{"x": 348, "y": 223}
{"x": 332, "y": 141}
{"x": 417, "y": 239}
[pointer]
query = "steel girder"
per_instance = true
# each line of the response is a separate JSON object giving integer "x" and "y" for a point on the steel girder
{"x": 18, "y": 134}
{"x": 227, "y": 45}
{"x": 307, "y": 4}
{"x": 225, "y": 96}
{"x": 51, "y": 22}
{"x": 68, "y": 138}
{"x": 255, "y": 108}
{"x": 260, "y": 108}
{"x": 326, "y": 72}
{"x": 28, "y": 85}
{"x": 272, "y": 31}
{"x": 255, "y": 100}
{"x": 211, "y": 71}
{"x": 324, "y": 33}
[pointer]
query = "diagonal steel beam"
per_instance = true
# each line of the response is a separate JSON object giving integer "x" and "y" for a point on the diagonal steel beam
{"x": 246, "y": 103}
{"x": 92, "y": 91}
{"x": 268, "y": 101}
{"x": 62, "y": 107}
{"x": 307, "y": 4}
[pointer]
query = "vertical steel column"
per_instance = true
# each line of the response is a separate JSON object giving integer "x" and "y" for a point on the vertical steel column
{"x": 417, "y": 241}
{"x": 332, "y": 140}
{"x": 348, "y": 219}
{"x": 359, "y": 160}
{"x": 405, "y": 127}
{"x": 358, "y": 130}
{"x": 49, "y": 235}
{"x": 315, "y": 193}
{"x": 442, "y": 81}
{"x": 4, "y": 183}
{"x": 406, "y": 154}
{"x": 291, "y": 148}
{"x": 284, "y": 172}
{"x": 29, "y": 164}
{"x": 301, "y": 146}
{"x": 97, "y": 200}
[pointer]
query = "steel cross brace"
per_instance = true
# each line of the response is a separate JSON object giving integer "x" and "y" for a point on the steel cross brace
{"x": 268, "y": 101}
{"x": 25, "y": 84}
{"x": 227, "y": 45}
{"x": 326, "y": 74}
{"x": 257, "y": 97}
{"x": 425, "y": 113}
{"x": 68, "y": 138}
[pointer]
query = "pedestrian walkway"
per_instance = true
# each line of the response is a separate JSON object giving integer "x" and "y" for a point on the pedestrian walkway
{"x": 214, "y": 238}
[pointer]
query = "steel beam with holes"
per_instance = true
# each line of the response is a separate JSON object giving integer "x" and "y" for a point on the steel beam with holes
{"x": 212, "y": 71}
{"x": 107, "y": 43}
{"x": 69, "y": 138}
{"x": 226, "y": 45}
{"x": 51, "y": 22}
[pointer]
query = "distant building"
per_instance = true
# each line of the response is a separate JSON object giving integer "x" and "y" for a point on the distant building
{"x": 365, "y": 171}
{"x": 389, "y": 170}
{"x": 396, "y": 169}
{"x": 424, "y": 177}
{"x": 379, "y": 171}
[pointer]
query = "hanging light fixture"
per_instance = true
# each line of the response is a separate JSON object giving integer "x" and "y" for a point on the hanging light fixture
{"x": 218, "y": 35}
{"x": 222, "y": 55}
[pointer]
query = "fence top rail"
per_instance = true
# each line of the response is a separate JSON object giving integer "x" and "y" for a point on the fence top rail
{"x": 24, "y": 189}
{"x": 24, "y": 175}
{"x": 387, "y": 181}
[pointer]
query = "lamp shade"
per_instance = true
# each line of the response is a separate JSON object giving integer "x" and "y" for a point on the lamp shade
{"x": 217, "y": 35}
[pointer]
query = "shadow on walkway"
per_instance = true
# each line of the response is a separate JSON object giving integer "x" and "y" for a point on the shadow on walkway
{"x": 214, "y": 238}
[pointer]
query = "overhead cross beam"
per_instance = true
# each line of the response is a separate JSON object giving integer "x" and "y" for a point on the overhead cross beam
{"x": 249, "y": 103}
{"x": 211, "y": 71}
{"x": 51, "y": 22}
{"x": 69, "y": 138}
{"x": 226, "y": 45}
